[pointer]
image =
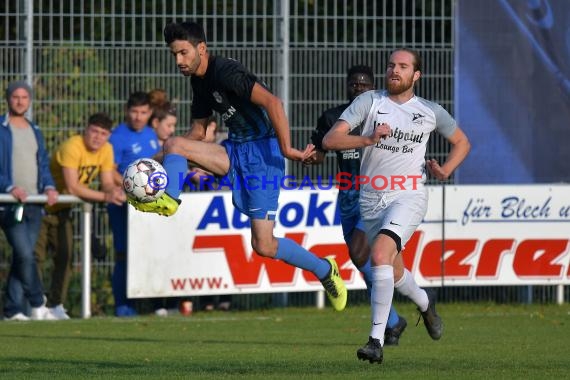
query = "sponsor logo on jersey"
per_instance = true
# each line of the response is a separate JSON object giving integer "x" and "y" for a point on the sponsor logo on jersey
{"x": 136, "y": 148}
{"x": 217, "y": 97}
{"x": 418, "y": 118}
{"x": 228, "y": 114}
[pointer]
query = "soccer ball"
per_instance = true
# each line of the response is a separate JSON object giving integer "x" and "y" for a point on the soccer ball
{"x": 145, "y": 180}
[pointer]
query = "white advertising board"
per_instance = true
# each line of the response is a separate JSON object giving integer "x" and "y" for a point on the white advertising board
{"x": 491, "y": 235}
{"x": 205, "y": 247}
{"x": 497, "y": 235}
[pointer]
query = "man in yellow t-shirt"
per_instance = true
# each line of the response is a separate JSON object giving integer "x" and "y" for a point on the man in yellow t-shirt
{"x": 74, "y": 166}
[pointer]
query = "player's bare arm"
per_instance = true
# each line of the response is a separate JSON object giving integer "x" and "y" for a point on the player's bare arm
{"x": 338, "y": 138}
{"x": 114, "y": 194}
{"x": 274, "y": 108}
{"x": 460, "y": 147}
{"x": 117, "y": 177}
{"x": 75, "y": 187}
{"x": 52, "y": 195}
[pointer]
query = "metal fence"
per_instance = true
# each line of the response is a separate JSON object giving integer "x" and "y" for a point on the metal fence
{"x": 84, "y": 56}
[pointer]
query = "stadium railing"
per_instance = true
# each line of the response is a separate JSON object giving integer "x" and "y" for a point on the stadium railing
{"x": 85, "y": 242}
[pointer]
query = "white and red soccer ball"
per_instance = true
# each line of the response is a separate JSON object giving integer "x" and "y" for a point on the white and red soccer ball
{"x": 145, "y": 180}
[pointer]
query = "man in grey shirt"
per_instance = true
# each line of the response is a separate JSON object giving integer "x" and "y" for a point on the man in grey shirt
{"x": 24, "y": 170}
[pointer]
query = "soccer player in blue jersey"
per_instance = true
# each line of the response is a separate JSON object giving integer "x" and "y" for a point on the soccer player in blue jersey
{"x": 132, "y": 139}
{"x": 258, "y": 141}
{"x": 359, "y": 80}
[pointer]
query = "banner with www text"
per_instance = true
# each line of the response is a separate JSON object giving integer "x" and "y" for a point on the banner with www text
{"x": 489, "y": 235}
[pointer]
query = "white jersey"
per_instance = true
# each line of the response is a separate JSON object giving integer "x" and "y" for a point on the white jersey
{"x": 396, "y": 162}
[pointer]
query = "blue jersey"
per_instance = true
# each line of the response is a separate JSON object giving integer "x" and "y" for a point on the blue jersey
{"x": 129, "y": 145}
{"x": 226, "y": 88}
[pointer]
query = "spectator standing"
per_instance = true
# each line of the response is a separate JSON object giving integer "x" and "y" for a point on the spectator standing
{"x": 74, "y": 166}
{"x": 24, "y": 170}
{"x": 131, "y": 140}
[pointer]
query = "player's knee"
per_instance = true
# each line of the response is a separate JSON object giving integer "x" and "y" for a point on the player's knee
{"x": 359, "y": 258}
{"x": 264, "y": 248}
{"x": 380, "y": 258}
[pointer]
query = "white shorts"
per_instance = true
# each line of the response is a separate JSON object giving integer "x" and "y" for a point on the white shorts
{"x": 398, "y": 212}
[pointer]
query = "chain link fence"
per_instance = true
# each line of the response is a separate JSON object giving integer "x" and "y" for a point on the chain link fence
{"x": 84, "y": 56}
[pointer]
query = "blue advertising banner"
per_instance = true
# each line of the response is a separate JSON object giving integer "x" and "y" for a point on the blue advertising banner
{"x": 513, "y": 90}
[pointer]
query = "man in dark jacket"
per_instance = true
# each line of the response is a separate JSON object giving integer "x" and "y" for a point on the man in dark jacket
{"x": 24, "y": 170}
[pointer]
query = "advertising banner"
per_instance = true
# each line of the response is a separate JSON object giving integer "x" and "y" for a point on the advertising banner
{"x": 495, "y": 235}
{"x": 205, "y": 247}
{"x": 471, "y": 235}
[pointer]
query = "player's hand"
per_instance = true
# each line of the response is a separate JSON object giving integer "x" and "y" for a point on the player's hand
{"x": 116, "y": 196}
{"x": 297, "y": 155}
{"x": 310, "y": 161}
{"x": 381, "y": 131}
{"x": 19, "y": 193}
{"x": 436, "y": 170}
{"x": 52, "y": 195}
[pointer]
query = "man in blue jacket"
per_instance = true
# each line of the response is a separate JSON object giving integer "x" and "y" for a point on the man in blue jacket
{"x": 24, "y": 170}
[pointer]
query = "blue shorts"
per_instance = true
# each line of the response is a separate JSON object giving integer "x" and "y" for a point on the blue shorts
{"x": 349, "y": 224}
{"x": 256, "y": 170}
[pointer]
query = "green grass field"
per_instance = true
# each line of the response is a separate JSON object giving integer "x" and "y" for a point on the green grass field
{"x": 479, "y": 342}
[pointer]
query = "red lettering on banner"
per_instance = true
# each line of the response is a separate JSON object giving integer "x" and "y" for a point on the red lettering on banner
{"x": 534, "y": 258}
{"x": 491, "y": 255}
{"x": 456, "y": 252}
{"x": 410, "y": 251}
{"x": 246, "y": 270}
{"x": 178, "y": 283}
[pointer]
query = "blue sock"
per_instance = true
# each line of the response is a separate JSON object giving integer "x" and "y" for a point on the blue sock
{"x": 293, "y": 254}
{"x": 176, "y": 167}
{"x": 367, "y": 274}
{"x": 393, "y": 318}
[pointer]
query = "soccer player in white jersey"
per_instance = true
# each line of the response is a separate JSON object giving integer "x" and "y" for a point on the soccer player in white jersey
{"x": 393, "y": 202}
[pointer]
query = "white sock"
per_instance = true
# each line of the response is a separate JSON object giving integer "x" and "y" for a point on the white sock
{"x": 408, "y": 287}
{"x": 380, "y": 299}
